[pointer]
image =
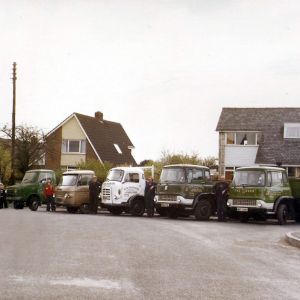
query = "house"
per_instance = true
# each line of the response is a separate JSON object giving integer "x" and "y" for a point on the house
{"x": 264, "y": 136}
{"x": 80, "y": 137}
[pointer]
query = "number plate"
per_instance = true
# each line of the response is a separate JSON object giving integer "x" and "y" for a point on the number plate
{"x": 164, "y": 205}
{"x": 242, "y": 209}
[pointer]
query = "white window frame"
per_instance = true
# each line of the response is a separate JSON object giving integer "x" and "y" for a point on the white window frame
{"x": 118, "y": 149}
{"x": 288, "y": 126}
{"x": 81, "y": 147}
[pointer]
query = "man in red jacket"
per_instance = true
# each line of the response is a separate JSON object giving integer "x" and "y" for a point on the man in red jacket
{"x": 49, "y": 193}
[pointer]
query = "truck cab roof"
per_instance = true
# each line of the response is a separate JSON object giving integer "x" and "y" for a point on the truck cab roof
{"x": 260, "y": 168}
{"x": 186, "y": 166}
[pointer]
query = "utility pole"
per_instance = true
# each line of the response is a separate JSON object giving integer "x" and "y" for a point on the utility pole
{"x": 13, "y": 127}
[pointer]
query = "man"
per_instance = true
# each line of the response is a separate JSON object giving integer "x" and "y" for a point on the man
{"x": 49, "y": 195}
{"x": 149, "y": 196}
{"x": 221, "y": 189}
{"x": 3, "y": 202}
{"x": 94, "y": 190}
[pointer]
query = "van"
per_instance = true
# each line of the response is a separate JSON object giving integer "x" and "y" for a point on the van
{"x": 72, "y": 191}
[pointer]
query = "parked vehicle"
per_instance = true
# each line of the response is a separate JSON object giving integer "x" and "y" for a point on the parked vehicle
{"x": 185, "y": 190}
{"x": 264, "y": 192}
{"x": 30, "y": 191}
{"x": 72, "y": 191}
{"x": 123, "y": 191}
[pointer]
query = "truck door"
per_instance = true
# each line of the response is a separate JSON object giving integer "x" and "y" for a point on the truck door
{"x": 131, "y": 185}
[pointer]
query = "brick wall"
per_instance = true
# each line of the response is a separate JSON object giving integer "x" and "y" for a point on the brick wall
{"x": 53, "y": 150}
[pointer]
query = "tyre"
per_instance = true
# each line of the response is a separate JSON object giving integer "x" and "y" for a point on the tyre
{"x": 116, "y": 210}
{"x": 72, "y": 210}
{"x": 34, "y": 203}
{"x": 137, "y": 207}
{"x": 203, "y": 210}
{"x": 282, "y": 214}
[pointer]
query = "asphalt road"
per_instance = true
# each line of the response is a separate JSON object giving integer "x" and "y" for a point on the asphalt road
{"x": 65, "y": 256}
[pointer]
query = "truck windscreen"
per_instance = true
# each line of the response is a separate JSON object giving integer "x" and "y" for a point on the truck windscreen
{"x": 68, "y": 180}
{"x": 115, "y": 175}
{"x": 29, "y": 177}
{"x": 249, "y": 178}
{"x": 173, "y": 175}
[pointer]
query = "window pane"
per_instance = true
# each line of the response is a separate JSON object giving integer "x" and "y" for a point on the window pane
{"x": 64, "y": 146}
{"x": 230, "y": 138}
{"x": 83, "y": 146}
{"x": 246, "y": 138}
{"x": 197, "y": 174}
{"x": 276, "y": 178}
{"x": 73, "y": 146}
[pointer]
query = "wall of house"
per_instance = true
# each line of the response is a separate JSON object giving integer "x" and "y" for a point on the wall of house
{"x": 72, "y": 131}
{"x": 222, "y": 153}
{"x": 240, "y": 156}
{"x": 53, "y": 150}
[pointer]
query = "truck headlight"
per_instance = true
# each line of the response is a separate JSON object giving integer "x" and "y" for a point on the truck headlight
{"x": 229, "y": 202}
{"x": 258, "y": 203}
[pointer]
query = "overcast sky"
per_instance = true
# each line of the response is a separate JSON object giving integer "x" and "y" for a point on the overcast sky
{"x": 163, "y": 69}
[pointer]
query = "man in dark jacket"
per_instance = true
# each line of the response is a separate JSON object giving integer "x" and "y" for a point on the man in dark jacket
{"x": 3, "y": 202}
{"x": 94, "y": 190}
{"x": 221, "y": 189}
{"x": 149, "y": 196}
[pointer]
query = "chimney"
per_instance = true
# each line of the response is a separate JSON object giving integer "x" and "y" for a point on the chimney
{"x": 99, "y": 116}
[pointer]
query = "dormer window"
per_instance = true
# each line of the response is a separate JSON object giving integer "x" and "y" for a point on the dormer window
{"x": 291, "y": 130}
{"x": 241, "y": 138}
{"x": 118, "y": 148}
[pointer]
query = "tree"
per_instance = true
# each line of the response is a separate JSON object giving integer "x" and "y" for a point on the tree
{"x": 4, "y": 164}
{"x": 30, "y": 146}
{"x": 100, "y": 169}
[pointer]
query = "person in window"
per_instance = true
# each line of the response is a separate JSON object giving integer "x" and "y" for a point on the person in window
{"x": 221, "y": 189}
{"x": 149, "y": 196}
{"x": 49, "y": 195}
{"x": 244, "y": 140}
{"x": 94, "y": 191}
{"x": 3, "y": 202}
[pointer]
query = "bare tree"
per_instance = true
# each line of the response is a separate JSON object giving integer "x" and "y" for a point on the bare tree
{"x": 30, "y": 145}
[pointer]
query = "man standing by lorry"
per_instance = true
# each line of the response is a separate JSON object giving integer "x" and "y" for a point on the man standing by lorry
{"x": 94, "y": 190}
{"x": 3, "y": 202}
{"x": 149, "y": 196}
{"x": 221, "y": 189}
{"x": 49, "y": 195}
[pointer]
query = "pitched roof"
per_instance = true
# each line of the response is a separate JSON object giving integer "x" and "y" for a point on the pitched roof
{"x": 273, "y": 148}
{"x": 103, "y": 135}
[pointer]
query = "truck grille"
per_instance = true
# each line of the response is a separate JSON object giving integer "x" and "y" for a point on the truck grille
{"x": 10, "y": 193}
{"x": 244, "y": 202}
{"x": 167, "y": 198}
{"x": 106, "y": 194}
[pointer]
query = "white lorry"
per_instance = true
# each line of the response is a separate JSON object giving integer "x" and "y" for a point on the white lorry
{"x": 123, "y": 191}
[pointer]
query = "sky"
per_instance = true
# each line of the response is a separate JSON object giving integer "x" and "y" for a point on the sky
{"x": 163, "y": 69}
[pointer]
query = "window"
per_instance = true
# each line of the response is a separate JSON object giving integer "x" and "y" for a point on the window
{"x": 207, "y": 175}
{"x": 73, "y": 146}
{"x": 84, "y": 179}
{"x": 132, "y": 177}
{"x": 118, "y": 148}
{"x": 292, "y": 131}
{"x": 241, "y": 138}
{"x": 276, "y": 178}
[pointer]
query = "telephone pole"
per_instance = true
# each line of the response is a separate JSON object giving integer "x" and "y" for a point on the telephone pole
{"x": 13, "y": 127}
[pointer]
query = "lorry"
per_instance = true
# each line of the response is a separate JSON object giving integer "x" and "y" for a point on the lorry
{"x": 30, "y": 191}
{"x": 123, "y": 191}
{"x": 185, "y": 190}
{"x": 72, "y": 191}
{"x": 263, "y": 192}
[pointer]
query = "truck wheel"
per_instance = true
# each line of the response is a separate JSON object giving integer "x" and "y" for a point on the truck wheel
{"x": 116, "y": 210}
{"x": 34, "y": 203}
{"x": 203, "y": 210}
{"x": 137, "y": 207}
{"x": 72, "y": 210}
{"x": 282, "y": 214}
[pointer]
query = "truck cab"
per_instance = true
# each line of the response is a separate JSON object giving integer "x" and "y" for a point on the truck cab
{"x": 185, "y": 190}
{"x": 30, "y": 191}
{"x": 123, "y": 191}
{"x": 260, "y": 193}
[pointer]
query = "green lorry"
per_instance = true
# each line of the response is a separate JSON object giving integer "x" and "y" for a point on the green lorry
{"x": 263, "y": 192}
{"x": 30, "y": 191}
{"x": 185, "y": 190}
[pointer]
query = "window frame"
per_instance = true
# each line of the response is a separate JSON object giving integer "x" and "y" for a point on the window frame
{"x": 66, "y": 147}
{"x": 235, "y": 138}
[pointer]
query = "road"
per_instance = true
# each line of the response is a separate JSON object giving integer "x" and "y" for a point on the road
{"x": 58, "y": 255}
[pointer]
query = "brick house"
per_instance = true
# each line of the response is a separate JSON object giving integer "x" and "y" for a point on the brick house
{"x": 80, "y": 137}
{"x": 263, "y": 136}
